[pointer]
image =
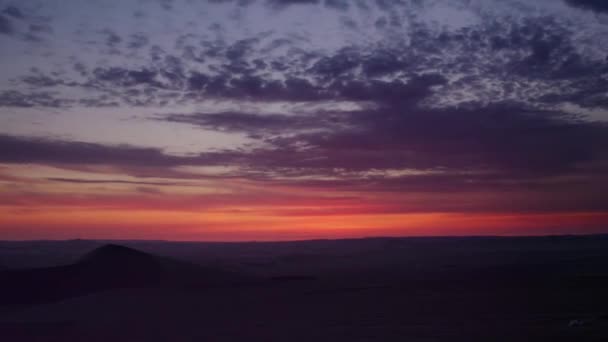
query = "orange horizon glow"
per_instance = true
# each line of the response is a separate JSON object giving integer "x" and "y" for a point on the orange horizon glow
{"x": 242, "y": 210}
{"x": 66, "y": 223}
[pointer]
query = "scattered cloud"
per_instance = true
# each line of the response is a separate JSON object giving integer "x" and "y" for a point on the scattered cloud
{"x": 594, "y": 5}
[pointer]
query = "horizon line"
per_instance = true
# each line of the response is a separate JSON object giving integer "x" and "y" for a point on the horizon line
{"x": 379, "y": 237}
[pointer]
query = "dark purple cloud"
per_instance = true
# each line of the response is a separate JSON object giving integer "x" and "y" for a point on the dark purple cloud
{"x": 300, "y": 89}
{"x": 27, "y": 150}
{"x": 255, "y": 124}
{"x": 594, "y": 5}
{"x": 121, "y": 77}
{"x": 342, "y": 5}
{"x": 13, "y": 12}
{"x": 499, "y": 137}
{"x": 138, "y": 41}
{"x": 166, "y": 4}
{"x": 507, "y": 141}
{"x": 13, "y": 98}
{"x": 501, "y": 147}
{"x": 110, "y": 181}
{"x": 112, "y": 39}
{"x": 5, "y": 26}
{"x": 42, "y": 81}
{"x": 27, "y": 27}
{"x": 30, "y": 150}
{"x": 518, "y": 52}
{"x": 40, "y": 28}
{"x": 282, "y": 3}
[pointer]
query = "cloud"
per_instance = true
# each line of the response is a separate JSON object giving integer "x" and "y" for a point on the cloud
{"x": 13, "y": 12}
{"x": 29, "y": 28}
{"x": 42, "y": 81}
{"x": 13, "y": 98}
{"x": 166, "y": 4}
{"x": 342, "y": 5}
{"x": 141, "y": 160}
{"x": 284, "y": 3}
{"x": 514, "y": 60}
{"x": 138, "y": 40}
{"x": 299, "y": 89}
{"x": 5, "y": 26}
{"x": 121, "y": 77}
{"x": 257, "y": 125}
{"x": 593, "y": 5}
{"x": 112, "y": 39}
{"x": 500, "y": 147}
{"x": 475, "y": 98}
{"x": 506, "y": 142}
{"x": 339, "y": 64}
{"x": 110, "y": 181}
{"x": 24, "y": 150}
{"x": 40, "y": 28}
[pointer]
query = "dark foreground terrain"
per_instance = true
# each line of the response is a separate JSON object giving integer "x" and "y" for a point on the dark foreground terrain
{"x": 413, "y": 289}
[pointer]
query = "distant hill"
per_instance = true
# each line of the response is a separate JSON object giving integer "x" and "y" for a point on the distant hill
{"x": 105, "y": 268}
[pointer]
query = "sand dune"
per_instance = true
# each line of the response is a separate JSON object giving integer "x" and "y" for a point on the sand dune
{"x": 107, "y": 267}
{"x": 464, "y": 289}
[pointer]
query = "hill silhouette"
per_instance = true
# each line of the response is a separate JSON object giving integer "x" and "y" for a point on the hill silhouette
{"x": 105, "y": 268}
{"x": 378, "y": 289}
{"x": 112, "y": 253}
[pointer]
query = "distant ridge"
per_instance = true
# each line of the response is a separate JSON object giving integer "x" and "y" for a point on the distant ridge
{"x": 112, "y": 251}
{"x": 104, "y": 268}
{"x": 118, "y": 258}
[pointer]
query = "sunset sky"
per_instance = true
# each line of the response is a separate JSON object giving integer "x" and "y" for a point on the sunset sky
{"x": 294, "y": 119}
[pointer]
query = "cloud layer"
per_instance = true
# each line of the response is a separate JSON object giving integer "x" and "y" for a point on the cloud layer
{"x": 378, "y": 98}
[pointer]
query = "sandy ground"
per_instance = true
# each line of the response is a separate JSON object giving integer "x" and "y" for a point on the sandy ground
{"x": 392, "y": 290}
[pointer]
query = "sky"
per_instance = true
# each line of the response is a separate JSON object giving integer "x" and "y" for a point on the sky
{"x": 232, "y": 120}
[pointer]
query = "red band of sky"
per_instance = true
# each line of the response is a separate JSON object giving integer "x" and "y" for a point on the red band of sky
{"x": 248, "y": 210}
